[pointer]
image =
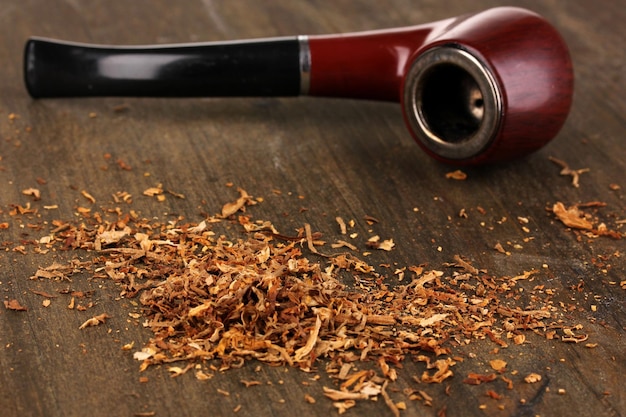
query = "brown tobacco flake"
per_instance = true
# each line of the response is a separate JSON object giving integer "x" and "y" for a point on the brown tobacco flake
{"x": 371, "y": 219}
{"x": 337, "y": 395}
{"x": 525, "y": 275}
{"x": 301, "y": 353}
{"x": 56, "y": 271}
{"x": 175, "y": 194}
{"x": 249, "y": 384}
{"x": 88, "y": 196}
{"x": 566, "y": 170}
{"x": 154, "y": 191}
{"x": 342, "y": 225}
{"x": 343, "y": 406}
{"x": 387, "y": 371}
{"x": 532, "y": 378}
{"x": 374, "y": 242}
{"x": 465, "y": 265}
{"x": 386, "y": 245}
{"x": 477, "y": 379}
{"x": 110, "y": 236}
{"x": 94, "y": 321}
{"x": 428, "y": 400}
{"x": 43, "y": 293}
{"x": 203, "y": 376}
{"x": 493, "y": 394}
{"x": 495, "y": 339}
{"x": 343, "y": 243}
{"x": 17, "y": 209}
{"x": 231, "y": 208}
{"x": 123, "y": 165}
{"x": 575, "y": 338}
{"x": 443, "y": 372}
{"x": 571, "y": 217}
{"x": 497, "y": 365}
{"x": 571, "y": 337}
{"x": 14, "y": 305}
{"x": 309, "y": 238}
{"x": 122, "y": 196}
{"x": 498, "y": 247}
{"x": 388, "y": 401}
{"x": 456, "y": 175}
{"x": 33, "y": 192}
{"x": 178, "y": 371}
{"x": 20, "y": 249}
{"x": 508, "y": 381}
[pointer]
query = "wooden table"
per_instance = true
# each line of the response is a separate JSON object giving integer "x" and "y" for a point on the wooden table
{"x": 311, "y": 160}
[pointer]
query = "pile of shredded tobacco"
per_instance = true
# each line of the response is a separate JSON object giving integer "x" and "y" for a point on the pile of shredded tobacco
{"x": 283, "y": 300}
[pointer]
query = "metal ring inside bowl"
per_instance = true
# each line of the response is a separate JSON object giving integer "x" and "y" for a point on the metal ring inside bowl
{"x": 452, "y": 102}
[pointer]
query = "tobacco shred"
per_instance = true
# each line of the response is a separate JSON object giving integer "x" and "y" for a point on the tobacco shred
{"x": 477, "y": 379}
{"x": 456, "y": 175}
{"x": 571, "y": 217}
{"x": 94, "y": 321}
{"x": 532, "y": 378}
{"x": 574, "y": 218}
{"x": 566, "y": 170}
{"x": 14, "y": 305}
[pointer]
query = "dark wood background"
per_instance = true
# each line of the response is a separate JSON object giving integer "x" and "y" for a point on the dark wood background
{"x": 328, "y": 157}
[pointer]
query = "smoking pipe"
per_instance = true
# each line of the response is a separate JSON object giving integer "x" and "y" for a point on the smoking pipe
{"x": 474, "y": 89}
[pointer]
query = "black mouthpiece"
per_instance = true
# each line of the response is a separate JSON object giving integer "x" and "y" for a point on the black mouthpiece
{"x": 266, "y": 67}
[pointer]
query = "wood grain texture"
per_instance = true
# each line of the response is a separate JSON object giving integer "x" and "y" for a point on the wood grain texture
{"x": 328, "y": 157}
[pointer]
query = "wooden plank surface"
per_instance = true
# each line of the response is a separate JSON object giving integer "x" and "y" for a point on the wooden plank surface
{"x": 327, "y": 158}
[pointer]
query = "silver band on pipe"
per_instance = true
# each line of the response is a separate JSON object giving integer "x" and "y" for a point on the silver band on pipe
{"x": 305, "y": 64}
{"x": 453, "y": 102}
